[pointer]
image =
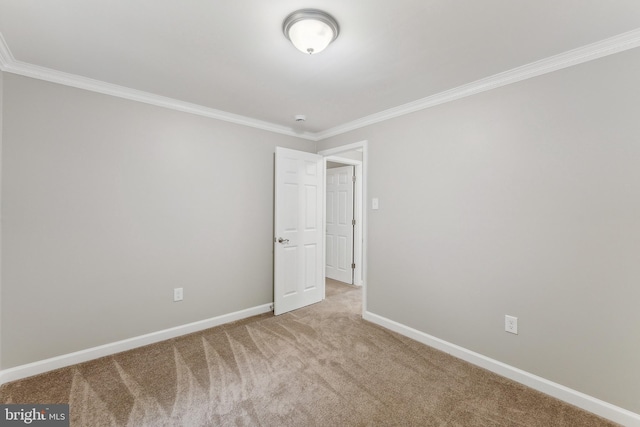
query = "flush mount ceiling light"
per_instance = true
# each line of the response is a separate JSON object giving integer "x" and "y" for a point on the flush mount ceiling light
{"x": 310, "y": 30}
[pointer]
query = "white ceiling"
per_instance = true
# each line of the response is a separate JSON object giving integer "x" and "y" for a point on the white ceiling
{"x": 231, "y": 55}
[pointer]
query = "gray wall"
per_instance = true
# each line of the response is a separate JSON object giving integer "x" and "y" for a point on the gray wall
{"x": 109, "y": 204}
{"x": 524, "y": 200}
{"x": 1, "y": 133}
{"x": 352, "y": 155}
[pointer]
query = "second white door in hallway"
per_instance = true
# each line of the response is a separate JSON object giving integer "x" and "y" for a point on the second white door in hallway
{"x": 339, "y": 224}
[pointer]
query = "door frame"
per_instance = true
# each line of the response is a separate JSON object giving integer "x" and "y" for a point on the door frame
{"x": 361, "y": 203}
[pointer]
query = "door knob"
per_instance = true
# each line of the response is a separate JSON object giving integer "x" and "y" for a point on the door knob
{"x": 283, "y": 241}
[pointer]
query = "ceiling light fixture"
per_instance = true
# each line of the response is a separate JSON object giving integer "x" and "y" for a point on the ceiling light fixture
{"x": 310, "y": 30}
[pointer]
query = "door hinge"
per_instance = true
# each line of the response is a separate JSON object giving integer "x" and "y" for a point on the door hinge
{"x": 353, "y": 265}
{"x": 353, "y": 222}
{"x": 353, "y": 178}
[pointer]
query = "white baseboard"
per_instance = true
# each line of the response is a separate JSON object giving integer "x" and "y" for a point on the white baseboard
{"x": 576, "y": 398}
{"x": 64, "y": 360}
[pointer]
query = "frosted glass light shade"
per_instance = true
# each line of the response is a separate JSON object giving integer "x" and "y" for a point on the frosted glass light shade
{"x": 310, "y": 30}
{"x": 310, "y": 36}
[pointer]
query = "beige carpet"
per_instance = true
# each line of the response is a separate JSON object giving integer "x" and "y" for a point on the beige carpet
{"x": 321, "y": 365}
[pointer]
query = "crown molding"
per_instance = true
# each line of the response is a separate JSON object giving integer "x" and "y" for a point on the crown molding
{"x": 619, "y": 43}
{"x": 10, "y": 65}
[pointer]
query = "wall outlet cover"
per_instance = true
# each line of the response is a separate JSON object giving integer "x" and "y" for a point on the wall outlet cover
{"x": 511, "y": 324}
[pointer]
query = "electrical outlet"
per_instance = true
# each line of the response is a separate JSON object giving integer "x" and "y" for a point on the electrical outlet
{"x": 177, "y": 294}
{"x": 511, "y": 324}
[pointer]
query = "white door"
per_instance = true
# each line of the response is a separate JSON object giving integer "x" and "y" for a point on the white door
{"x": 339, "y": 219}
{"x": 298, "y": 243}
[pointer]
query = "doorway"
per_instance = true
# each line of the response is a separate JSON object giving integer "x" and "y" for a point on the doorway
{"x": 354, "y": 156}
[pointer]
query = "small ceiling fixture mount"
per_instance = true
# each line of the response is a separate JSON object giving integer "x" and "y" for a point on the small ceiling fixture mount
{"x": 310, "y": 30}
